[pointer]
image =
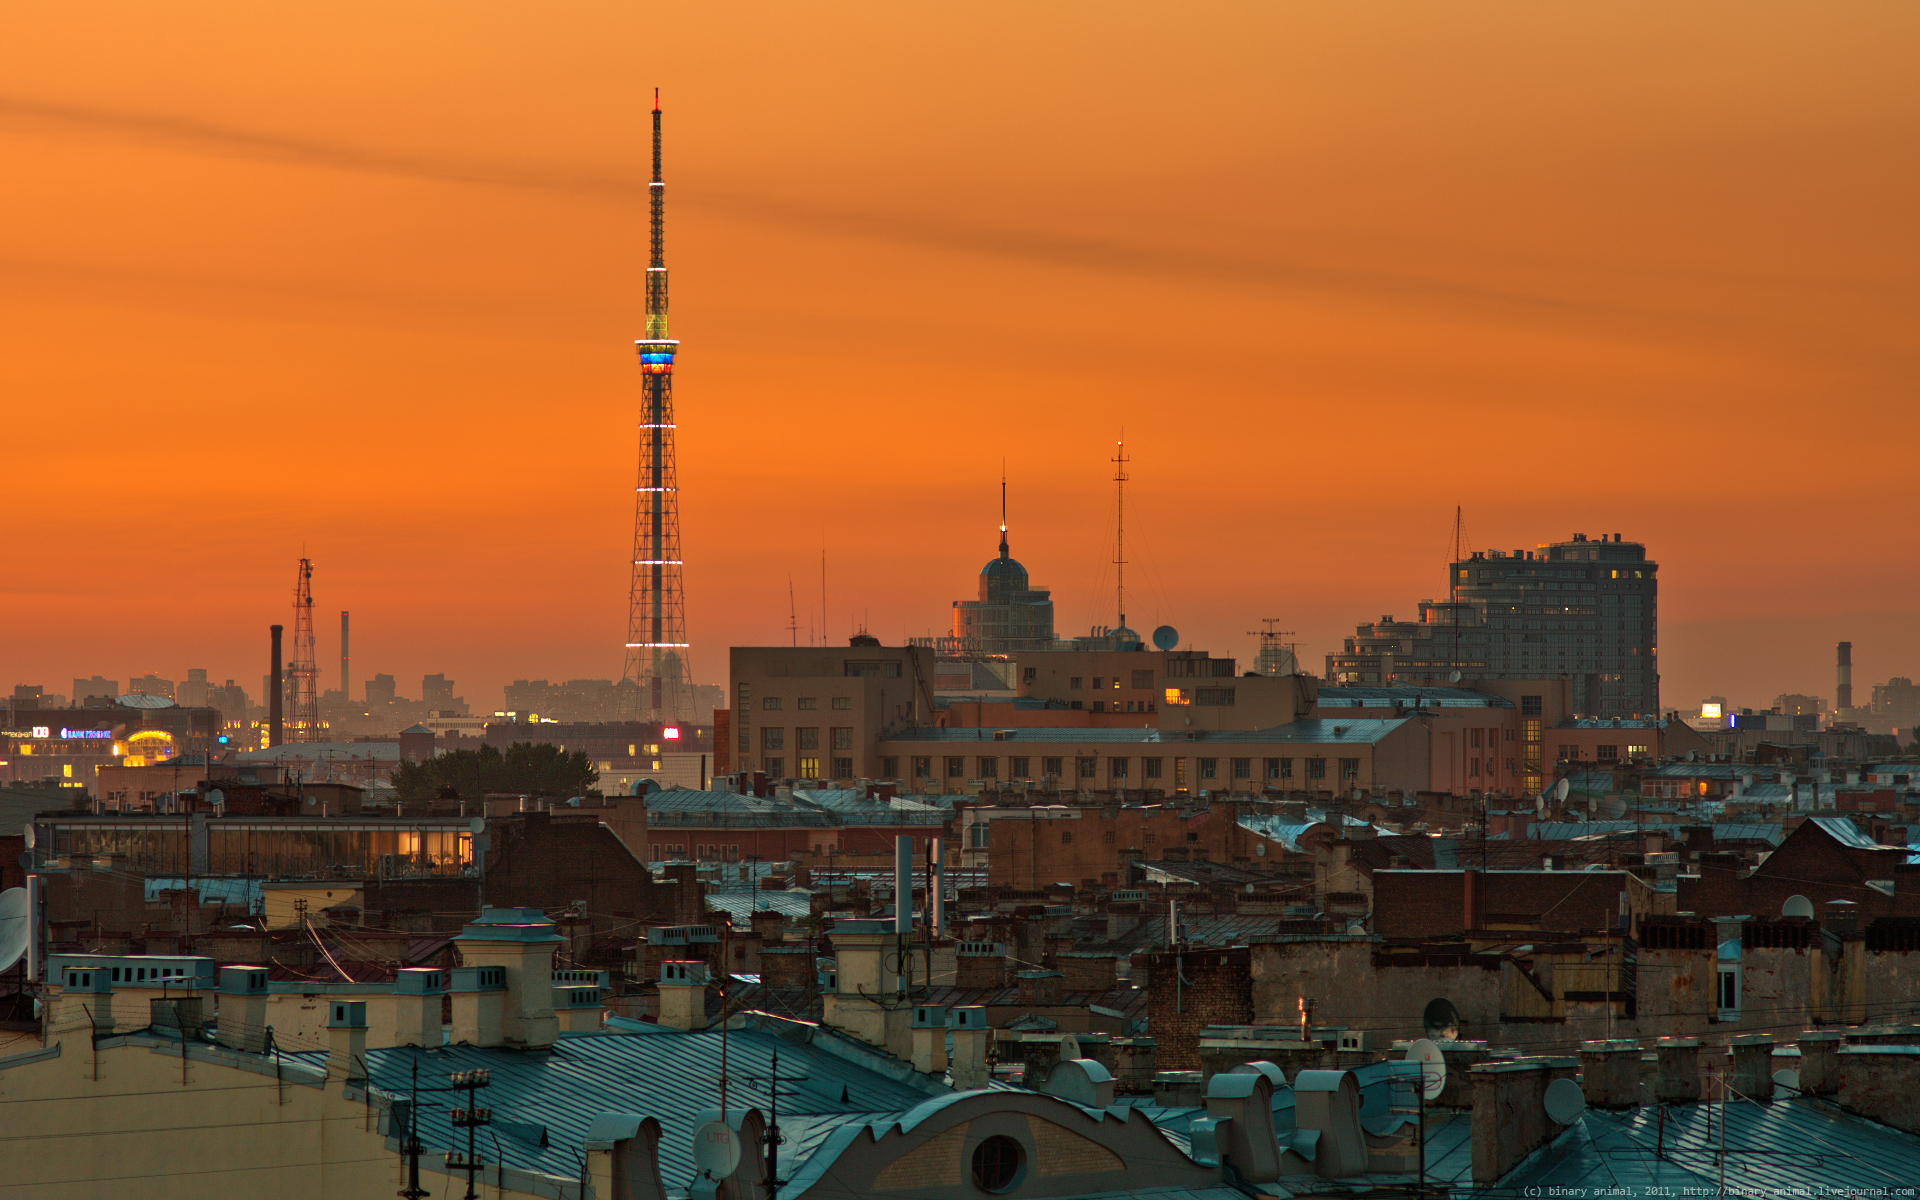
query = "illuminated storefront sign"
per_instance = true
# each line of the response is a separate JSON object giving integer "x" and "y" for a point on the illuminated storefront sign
{"x": 41, "y": 731}
{"x": 91, "y": 735}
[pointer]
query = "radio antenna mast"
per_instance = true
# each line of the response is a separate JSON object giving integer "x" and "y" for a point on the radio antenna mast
{"x": 1119, "y": 461}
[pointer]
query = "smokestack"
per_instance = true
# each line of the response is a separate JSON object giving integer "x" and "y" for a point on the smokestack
{"x": 903, "y": 884}
{"x": 936, "y": 886}
{"x": 1843, "y": 681}
{"x": 276, "y": 698}
{"x": 346, "y": 683}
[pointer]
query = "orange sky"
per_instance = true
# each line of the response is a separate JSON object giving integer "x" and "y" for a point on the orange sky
{"x": 363, "y": 278}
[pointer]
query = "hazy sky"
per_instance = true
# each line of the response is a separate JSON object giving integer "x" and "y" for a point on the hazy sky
{"x": 362, "y": 279}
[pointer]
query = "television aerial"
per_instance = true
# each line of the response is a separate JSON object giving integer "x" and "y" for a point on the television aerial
{"x": 716, "y": 1149}
{"x": 13, "y": 927}
{"x": 1564, "y": 1102}
{"x": 1433, "y": 1067}
{"x": 1166, "y": 637}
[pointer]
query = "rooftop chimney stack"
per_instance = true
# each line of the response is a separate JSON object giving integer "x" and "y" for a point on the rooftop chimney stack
{"x": 1843, "y": 678}
{"x": 277, "y": 698}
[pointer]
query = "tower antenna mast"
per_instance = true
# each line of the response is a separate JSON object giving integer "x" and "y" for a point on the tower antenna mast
{"x": 657, "y": 668}
{"x": 305, "y": 667}
{"x": 1120, "y": 461}
{"x": 1003, "y": 508}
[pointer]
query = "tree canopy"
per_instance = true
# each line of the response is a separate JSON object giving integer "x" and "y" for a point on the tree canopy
{"x": 534, "y": 768}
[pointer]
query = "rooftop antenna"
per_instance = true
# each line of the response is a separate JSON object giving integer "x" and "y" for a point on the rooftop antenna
{"x": 1120, "y": 528}
{"x": 823, "y": 591}
{"x": 793, "y": 612}
{"x": 1275, "y": 653}
{"x": 1460, "y": 548}
{"x": 1003, "y": 508}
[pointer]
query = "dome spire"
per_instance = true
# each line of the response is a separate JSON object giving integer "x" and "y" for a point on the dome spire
{"x": 1003, "y": 508}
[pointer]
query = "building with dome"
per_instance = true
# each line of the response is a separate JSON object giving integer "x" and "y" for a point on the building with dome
{"x": 1011, "y": 615}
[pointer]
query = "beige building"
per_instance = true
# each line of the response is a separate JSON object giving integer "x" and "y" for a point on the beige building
{"x": 819, "y": 712}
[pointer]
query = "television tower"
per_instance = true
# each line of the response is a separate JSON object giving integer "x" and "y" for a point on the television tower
{"x": 661, "y": 684}
{"x": 304, "y": 671}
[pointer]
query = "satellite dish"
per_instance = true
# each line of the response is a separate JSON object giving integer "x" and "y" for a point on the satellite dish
{"x": 13, "y": 927}
{"x": 1166, "y": 637}
{"x": 1357, "y": 927}
{"x": 716, "y": 1149}
{"x": 1561, "y": 789}
{"x": 1787, "y": 1078}
{"x": 1564, "y": 1101}
{"x": 1453, "y": 677}
{"x": 31, "y": 836}
{"x": 1433, "y": 1067}
{"x": 1797, "y": 906}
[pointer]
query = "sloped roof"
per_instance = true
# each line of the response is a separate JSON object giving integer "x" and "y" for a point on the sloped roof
{"x": 1844, "y": 831}
{"x": 672, "y": 1077}
{"x": 1796, "y": 1147}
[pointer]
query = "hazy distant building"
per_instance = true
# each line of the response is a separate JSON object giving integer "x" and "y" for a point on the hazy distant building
{"x": 87, "y": 689}
{"x": 380, "y": 690}
{"x": 150, "y": 685}
{"x": 1896, "y": 706}
{"x": 1584, "y": 608}
{"x": 1794, "y": 704}
{"x": 436, "y": 695}
{"x": 193, "y": 690}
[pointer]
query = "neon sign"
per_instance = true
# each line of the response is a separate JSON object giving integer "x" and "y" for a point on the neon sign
{"x": 99, "y": 735}
{"x": 41, "y": 731}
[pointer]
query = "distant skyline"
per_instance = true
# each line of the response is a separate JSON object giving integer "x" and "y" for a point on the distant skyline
{"x": 363, "y": 283}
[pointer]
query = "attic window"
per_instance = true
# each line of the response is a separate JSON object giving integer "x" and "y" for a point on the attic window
{"x": 998, "y": 1164}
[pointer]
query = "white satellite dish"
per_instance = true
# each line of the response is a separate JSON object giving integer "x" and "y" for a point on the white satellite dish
{"x": 1433, "y": 1067}
{"x": 13, "y": 927}
{"x": 1787, "y": 1078}
{"x": 1797, "y": 906}
{"x": 1564, "y": 1101}
{"x": 1561, "y": 789}
{"x": 29, "y": 834}
{"x": 716, "y": 1149}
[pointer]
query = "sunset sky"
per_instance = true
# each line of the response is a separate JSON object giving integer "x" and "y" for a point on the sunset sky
{"x": 361, "y": 280}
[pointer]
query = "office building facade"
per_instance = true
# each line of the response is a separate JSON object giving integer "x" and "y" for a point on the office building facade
{"x": 1585, "y": 609}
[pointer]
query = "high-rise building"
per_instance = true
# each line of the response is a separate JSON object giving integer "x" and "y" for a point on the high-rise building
{"x": 96, "y": 688}
{"x": 1584, "y": 608}
{"x": 656, "y": 661}
{"x": 1010, "y": 615}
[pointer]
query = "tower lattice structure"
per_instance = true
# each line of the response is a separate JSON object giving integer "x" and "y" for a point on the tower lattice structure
{"x": 303, "y": 673}
{"x": 656, "y": 665}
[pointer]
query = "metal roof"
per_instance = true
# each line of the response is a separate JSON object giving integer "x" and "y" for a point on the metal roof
{"x": 1844, "y": 831}
{"x": 1791, "y": 1147}
{"x": 1276, "y": 828}
{"x": 545, "y": 1102}
{"x": 1358, "y": 730}
{"x": 1352, "y": 696}
{"x": 741, "y": 902}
